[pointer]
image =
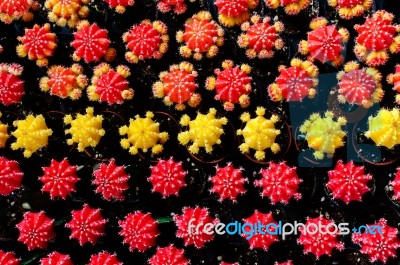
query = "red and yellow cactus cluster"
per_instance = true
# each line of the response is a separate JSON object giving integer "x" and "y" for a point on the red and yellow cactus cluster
{"x": 215, "y": 54}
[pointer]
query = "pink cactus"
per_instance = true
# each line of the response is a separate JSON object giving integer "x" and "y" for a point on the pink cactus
{"x": 376, "y": 38}
{"x": 394, "y": 79}
{"x": 167, "y": 177}
{"x": 195, "y": 217}
{"x": 381, "y": 245}
{"x": 177, "y": 6}
{"x": 8, "y": 258}
{"x": 90, "y": 42}
{"x": 360, "y": 86}
{"x": 260, "y": 37}
{"x": 109, "y": 85}
{"x": 231, "y": 13}
{"x": 279, "y": 183}
{"x": 348, "y": 182}
{"x": 104, "y": 258}
{"x": 59, "y": 178}
{"x": 56, "y": 258}
{"x": 139, "y": 231}
{"x": 228, "y": 182}
{"x": 120, "y": 5}
{"x": 319, "y": 242}
{"x": 201, "y": 35}
{"x": 395, "y": 185}
{"x": 38, "y": 44}
{"x": 178, "y": 86}
{"x": 10, "y": 176}
{"x": 232, "y": 85}
{"x": 146, "y": 40}
{"x": 11, "y": 86}
{"x": 87, "y": 225}
{"x": 35, "y": 230}
{"x": 111, "y": 181}
{"x": 261, "y": 240}
{"x": 169, "y": 255}
{"x": 296, "y": 82}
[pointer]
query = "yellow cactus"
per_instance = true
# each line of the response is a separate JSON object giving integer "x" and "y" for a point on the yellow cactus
{"x": 143, "y": 133}
{"x": 67, "y": 13}
{"x": 324, "y": 134}
{"x": 31, "y": 134}
{"x": 259, "y": 134}
{"x": 86, "y": 130}
{"x": 3, "y": 134}
{"x": 204, "y": 131}
{"x": 384, "y": 128}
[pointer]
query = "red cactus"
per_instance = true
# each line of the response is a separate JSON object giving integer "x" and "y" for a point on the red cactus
{"x": 232, "y": 84}
{"x": 227, "y": 263}
{"x": 87, "y": 225}
{"x": 169, "y": 255}
{"x": 279, "y": 183}
{"x": 261, "y": 38}
{"x": 120, "y": 5}
{"x": 146, "y": 40}
{"x": 201, "y": 35}
{"x": 394, "y": 79}
{"x": 348, "y": 182}
{"x": 109, "y": 85}
{"x": 261, "y": 240}
{"x": 360, "y": 86}
{"x": 379, "y": 246}
{"x": 375, "y": 37}
{"x": 318, "y": 242}
{"x": 90, "y": 42}
{"x": 196, "y": 217}
{"x": 64, "y": 81}
{"x": 139, "y": 230}
{"x": 11, "y": 86}
{"x": 325, "y": 42}
{"x": 38, "y": 43}
{"x": 235, "y": 12}
{"x": 35, "y": 230}
{"x": 104, "y": 258}
{"x": 348, "y": 9}
{"x": 177, "y": 6}
{"x": 110, "y": 181}
{"x": 8, "y": 258}
{"x": 167, "y": 177}
{"x": 395, "y": 184}
{"x": 59, "y": 178}
{"x": 291, "y": 7}
{"x": 10, "y": 176}
{"x": 56, "y": 258}
{"x": 228, "y": 182}
{"x": 295, "y": 82}
{"x": 10, "y": 10}
{"x": 177, "y": 86}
